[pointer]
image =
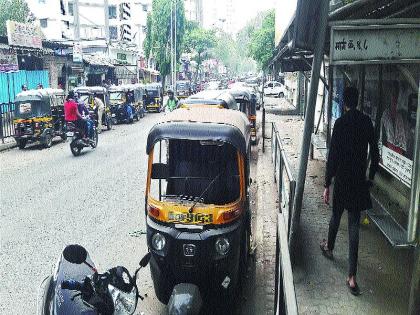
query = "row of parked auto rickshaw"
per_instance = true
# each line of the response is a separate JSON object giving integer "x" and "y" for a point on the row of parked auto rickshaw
{"x": 39, "y": 114}
{"x": 197, "y": 199}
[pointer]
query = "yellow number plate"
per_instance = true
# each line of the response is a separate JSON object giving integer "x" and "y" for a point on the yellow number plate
{"x": 190, "y": 218}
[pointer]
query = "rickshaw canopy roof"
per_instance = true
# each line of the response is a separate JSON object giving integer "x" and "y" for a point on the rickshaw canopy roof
{"x": 126, "y": 87}
{"x": 153, "y": 86}
{"x": 198, "y": 101}
{"x": 37, "y": 95}
{"x": 90, "y": 89}
{"x": 221, "y": 95}
{"x": 240, "y": 94}
{"x": 203, "y": 124}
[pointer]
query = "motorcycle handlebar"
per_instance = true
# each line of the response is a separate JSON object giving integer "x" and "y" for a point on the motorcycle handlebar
{"x": 71, "y": 285}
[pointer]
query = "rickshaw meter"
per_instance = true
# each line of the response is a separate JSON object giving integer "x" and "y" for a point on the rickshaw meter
{"x": 222, "y": 246}
{"x": 158, "y": 241}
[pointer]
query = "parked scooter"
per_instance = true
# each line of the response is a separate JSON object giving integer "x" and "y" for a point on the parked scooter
{"x": 76, "y": 287}
{"x": 77, "y": 142}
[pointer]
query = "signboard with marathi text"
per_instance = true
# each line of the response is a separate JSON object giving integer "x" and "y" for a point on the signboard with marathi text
{"x": 77, "y": 52}
{"x": 375, "y": 43}
{"x": 24, "y": 34}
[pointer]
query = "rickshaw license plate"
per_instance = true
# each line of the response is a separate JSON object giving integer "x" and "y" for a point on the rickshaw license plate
{"x": 191, "y": 218}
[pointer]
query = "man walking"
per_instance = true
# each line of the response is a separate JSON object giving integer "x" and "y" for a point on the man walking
{"x": 347, "y": 163}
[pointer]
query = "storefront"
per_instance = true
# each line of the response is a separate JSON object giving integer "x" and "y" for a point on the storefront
{"x": 382, "y": 60}
{"x": 97, "y": 69}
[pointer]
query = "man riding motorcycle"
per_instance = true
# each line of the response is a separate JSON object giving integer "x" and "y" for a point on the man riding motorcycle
{"x": 72, "y": 114}
{"x": 172, "y": 102}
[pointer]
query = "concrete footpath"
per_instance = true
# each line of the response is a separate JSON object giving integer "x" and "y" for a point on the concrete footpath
{"x": 383, "y": 272}
{"x": 9, "y": 143}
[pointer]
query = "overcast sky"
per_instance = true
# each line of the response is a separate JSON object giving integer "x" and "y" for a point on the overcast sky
{"x": 247, "y": 9}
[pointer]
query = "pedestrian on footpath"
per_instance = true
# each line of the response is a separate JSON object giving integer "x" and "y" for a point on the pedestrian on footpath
{"x": 347, "y": 163}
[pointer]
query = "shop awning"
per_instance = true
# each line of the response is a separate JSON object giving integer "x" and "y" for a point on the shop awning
{"x": 294, "y": 54}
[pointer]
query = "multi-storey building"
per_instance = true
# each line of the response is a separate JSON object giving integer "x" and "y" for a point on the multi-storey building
{"x": 194, "y": 11}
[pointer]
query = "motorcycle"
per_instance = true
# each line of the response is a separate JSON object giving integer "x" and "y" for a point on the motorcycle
{"x": 77, "y": 287}
{"x": 77, "y": 142}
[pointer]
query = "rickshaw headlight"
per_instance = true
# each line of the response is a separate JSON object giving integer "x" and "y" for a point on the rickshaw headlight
{"x": 222, "y": 246}
{"x": 158, "y": 241}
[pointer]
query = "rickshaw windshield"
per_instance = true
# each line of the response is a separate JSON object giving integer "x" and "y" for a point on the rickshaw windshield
{"x": 182, "y": 86}
{"x": 31, "y": 108}
{"x": 152, "y": 93}
{"x": 84, "y": 98}
{"x": 116, "y": 96}
{"x": 202, "y": 171}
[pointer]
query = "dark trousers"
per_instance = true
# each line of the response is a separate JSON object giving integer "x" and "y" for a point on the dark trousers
{"x": 353, "y": 226}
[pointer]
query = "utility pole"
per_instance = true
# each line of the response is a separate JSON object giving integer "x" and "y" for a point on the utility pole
{"x": 76, "y": 20}
{"x": 319, "y": 43}
{"x": 175, "y": 55}
{"x": 172, "y": 43}
{"x": 106, "y": 11}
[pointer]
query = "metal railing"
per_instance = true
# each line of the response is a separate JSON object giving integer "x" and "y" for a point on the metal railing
{"x": 6, "y": 120}
{"x": 285, "y": 297}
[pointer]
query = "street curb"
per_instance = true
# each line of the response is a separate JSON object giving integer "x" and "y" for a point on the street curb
{"x": 7, "y": 146}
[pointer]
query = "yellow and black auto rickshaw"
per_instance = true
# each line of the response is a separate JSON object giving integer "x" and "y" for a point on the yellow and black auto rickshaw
{"x": 87, "y": 95}
{"x": 247, "y": 105}
{"x": 197, "y": 207}
{"x": 39, "y": 116}
{"x": 126, "y": 102}
{"x": 153, "y": 97}
{"x": 183, "y": 89}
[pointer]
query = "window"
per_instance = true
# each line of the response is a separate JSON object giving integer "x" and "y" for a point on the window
{"x": 113, "y": 33}
{"x": 43, "y": 23}
{"x": 144, "y": 7}
{"x": 194, "y": 167}
{"x": 71, "y": 9}
{"x": 112, "y": 11}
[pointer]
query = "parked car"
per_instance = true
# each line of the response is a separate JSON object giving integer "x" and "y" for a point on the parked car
{"x": 274, "y": 88}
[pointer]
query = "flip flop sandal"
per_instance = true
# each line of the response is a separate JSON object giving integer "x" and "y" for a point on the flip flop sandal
{"x": 326, "y": 252}
{"x": 354, "y": 290}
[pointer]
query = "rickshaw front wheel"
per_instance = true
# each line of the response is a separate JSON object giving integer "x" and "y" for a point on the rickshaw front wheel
{"x": 48, "y": 140}
{"x": 21, "y": 143}
{"x": 109, "y": 123}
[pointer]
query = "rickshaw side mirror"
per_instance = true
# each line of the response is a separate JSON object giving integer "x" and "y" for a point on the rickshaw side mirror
{"x": 160, "y": 171}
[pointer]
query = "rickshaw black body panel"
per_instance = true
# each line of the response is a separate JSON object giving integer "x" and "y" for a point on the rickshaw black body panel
{"x": 205, "y": 131}
{"x": 206, "y": 268}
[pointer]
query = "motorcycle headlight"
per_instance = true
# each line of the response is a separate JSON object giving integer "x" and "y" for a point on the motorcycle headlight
{"x": 158, "y": 241}
{"x": 222, "y": 246}
{"x": 124, "y": 302}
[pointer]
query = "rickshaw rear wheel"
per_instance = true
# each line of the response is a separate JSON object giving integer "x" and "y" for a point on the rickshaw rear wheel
{"x": 109, "y": 124}
{"x": 21, "y": 143}
{"x": 47, "y": 140}
{"x": 95, "y": 140}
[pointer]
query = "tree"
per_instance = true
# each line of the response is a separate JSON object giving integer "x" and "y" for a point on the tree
{"x": 158, "y": 35}
{"x": 198, "y": 42}
{"x": 15, "y": 10}
{"x": 261, "y": 45}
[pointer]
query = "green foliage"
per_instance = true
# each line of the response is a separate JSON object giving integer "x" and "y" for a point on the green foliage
{"x": 261, "y": 44}
{"x": 158, "y": 35}
{"x": 198, "y": 42}
{"x": 148, "y": 40}
{"x": 15, "y": 10}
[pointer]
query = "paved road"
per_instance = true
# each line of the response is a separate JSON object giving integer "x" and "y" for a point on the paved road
{"x": 50, "y": 198}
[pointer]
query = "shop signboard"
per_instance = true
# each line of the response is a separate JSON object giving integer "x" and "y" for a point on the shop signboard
{"x": 374, "y": 44}
{"x": 8, "y": 60}
{"x": 23, "y": 34}
{"x": 77, "y": 52}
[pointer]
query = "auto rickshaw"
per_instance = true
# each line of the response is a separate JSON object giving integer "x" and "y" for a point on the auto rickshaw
{"x": 219, "y": 98}
{"x": 39, "y": 116}
{"x": 153, "y": 97}
{"x": 183, "y": 89}
{"x": 247, "y": 105}
{"x": 87, "y": 93}
{"x": 197, "y": 209}
{"x": 126, "y": 102}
